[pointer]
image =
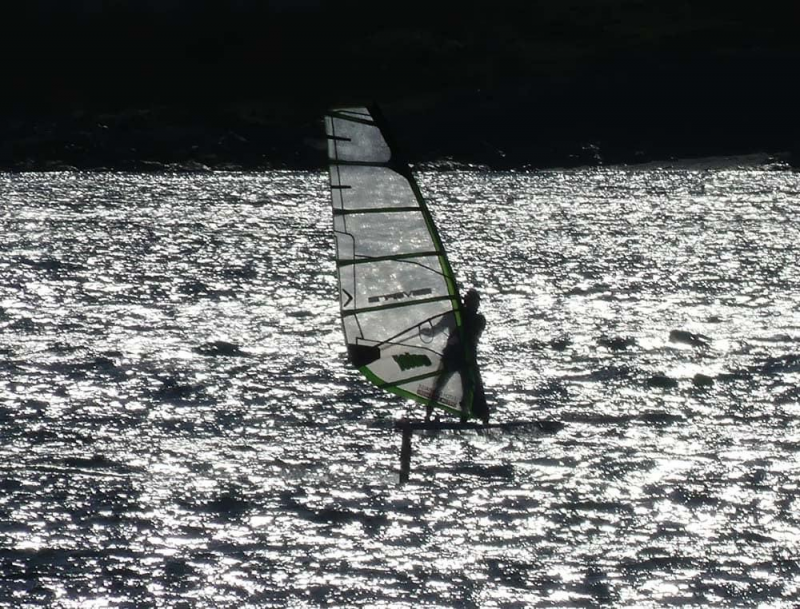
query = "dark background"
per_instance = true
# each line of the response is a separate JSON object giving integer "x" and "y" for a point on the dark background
{"x": 136, "y": 84}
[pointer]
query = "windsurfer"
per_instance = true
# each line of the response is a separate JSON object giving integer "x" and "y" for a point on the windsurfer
{"x": 458, "y": 359}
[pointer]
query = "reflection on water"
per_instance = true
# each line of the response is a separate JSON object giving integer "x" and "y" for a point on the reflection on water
{"x": 179, "y": 425}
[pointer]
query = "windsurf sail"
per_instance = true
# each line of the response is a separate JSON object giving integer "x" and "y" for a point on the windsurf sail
{"x": 399, "y": 300}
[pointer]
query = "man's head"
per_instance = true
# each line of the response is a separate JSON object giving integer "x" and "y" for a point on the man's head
{"x": 472, "y": 299}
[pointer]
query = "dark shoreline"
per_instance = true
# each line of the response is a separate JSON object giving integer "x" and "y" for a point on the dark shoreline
{"x": 508, "y": 85}
{"x": 440, "y": 134}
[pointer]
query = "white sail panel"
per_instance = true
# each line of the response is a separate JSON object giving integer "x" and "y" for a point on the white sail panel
{"x": 357, "y": 141}
{"x": 371, "y": 186}
{"x": 378, "y": 234}
{"x": 397, "y": 291}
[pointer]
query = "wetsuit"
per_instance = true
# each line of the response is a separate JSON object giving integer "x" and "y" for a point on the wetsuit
{"x": 455, "y": 360}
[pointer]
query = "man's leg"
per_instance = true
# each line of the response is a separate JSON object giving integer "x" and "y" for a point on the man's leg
{"x": 441, "y": 381}
{"x": 479, "y": 408}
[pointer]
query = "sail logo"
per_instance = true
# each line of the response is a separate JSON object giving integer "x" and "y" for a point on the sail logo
{"x": 408, "y": 361}
{"x": 400, "y": 295}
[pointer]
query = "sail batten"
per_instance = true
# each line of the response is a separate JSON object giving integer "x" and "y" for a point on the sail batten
{"x": 398, "y": 297}
{"x": 374, "y": 210}
{"x": 395, "y": 305}
{"x": 361, "y": 163}
{"x": 370, "y": 259}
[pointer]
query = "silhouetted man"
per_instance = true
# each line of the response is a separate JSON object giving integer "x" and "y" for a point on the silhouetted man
{"x": 458, "y": 358}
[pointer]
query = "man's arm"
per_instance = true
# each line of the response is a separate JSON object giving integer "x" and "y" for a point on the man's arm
{"x": 447, "y": 322}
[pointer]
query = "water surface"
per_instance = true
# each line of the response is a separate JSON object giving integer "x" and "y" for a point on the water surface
{"x": 180, "y": 428}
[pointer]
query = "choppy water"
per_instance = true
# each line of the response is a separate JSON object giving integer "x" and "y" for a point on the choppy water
{"x": 179, "y": 427}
